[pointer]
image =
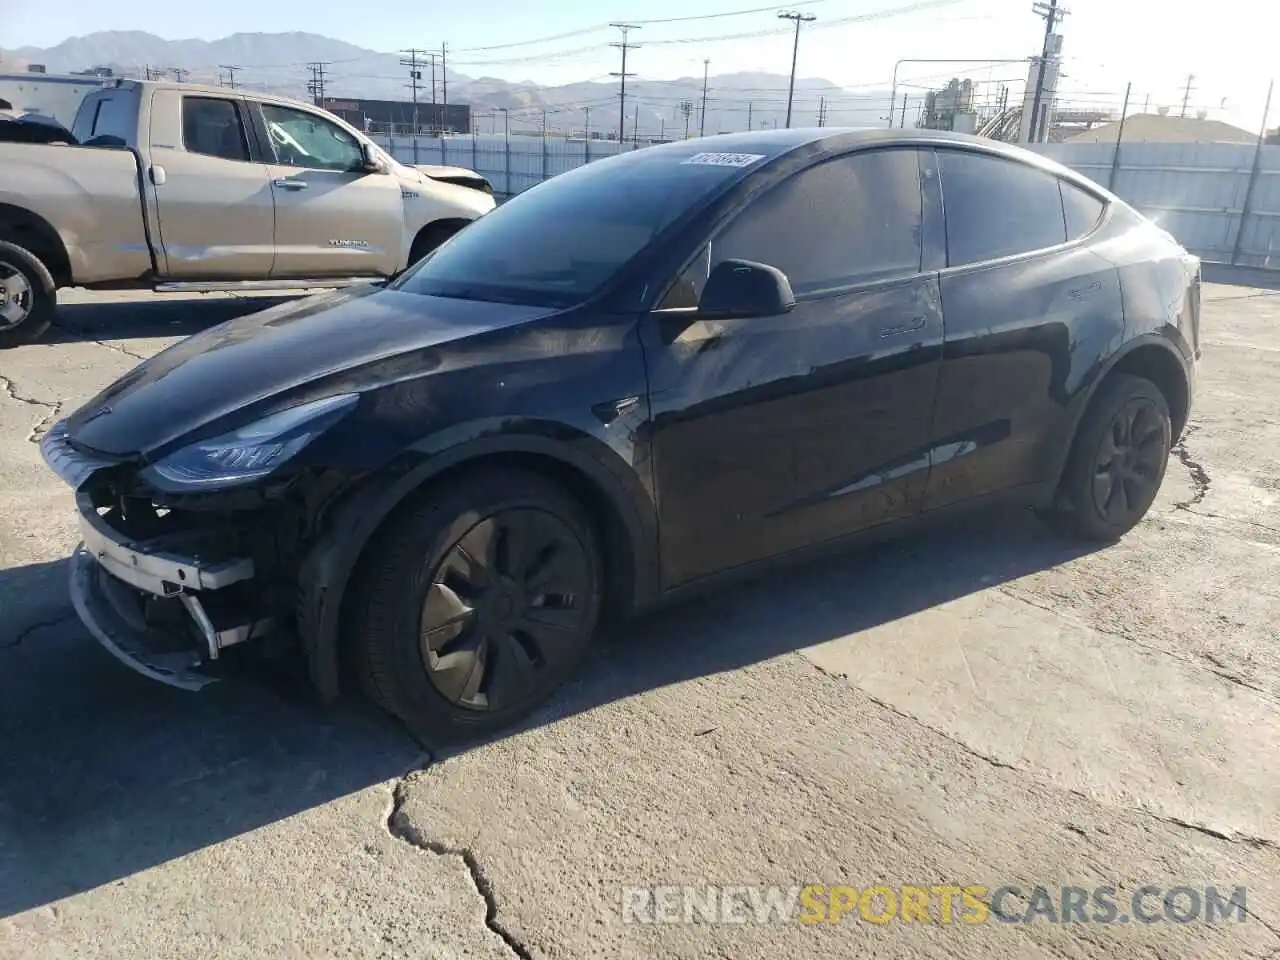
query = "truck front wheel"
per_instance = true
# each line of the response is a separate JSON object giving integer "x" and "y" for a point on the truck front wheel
{"x": 28, "y": 296}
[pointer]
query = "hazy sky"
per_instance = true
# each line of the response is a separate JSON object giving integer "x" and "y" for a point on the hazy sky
{"x": 1228, "y": 45}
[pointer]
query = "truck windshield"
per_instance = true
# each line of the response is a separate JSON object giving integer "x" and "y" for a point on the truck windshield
{"x": 560, "y": 242}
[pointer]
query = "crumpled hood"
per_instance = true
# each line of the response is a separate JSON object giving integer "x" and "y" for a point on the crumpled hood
{"x": 261, "y": 355}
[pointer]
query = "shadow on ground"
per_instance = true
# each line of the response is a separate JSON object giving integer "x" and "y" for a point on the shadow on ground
{"x": 104, "y": 774}
{"x": 176, "y": 315}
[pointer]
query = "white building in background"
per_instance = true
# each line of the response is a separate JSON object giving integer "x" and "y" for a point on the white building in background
{"x": 53, "y": 96}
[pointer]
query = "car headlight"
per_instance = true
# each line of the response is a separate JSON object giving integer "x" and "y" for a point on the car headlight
{"x": 250, "y": 452}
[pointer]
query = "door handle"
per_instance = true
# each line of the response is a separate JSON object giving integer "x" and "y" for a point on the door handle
{"x": 290, "y": 184}
{"x": 898, "y": 330}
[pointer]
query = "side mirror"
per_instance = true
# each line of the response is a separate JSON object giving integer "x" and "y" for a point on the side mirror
{"x": 742, "y": 288}
{"x": 370, "y": 159}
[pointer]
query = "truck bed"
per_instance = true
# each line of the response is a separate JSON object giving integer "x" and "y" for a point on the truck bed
{"x": 93, "y": 197}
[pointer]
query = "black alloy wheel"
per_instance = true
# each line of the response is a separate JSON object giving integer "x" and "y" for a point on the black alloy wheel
{"x": 475, "y": 602}
{"x": 1129, "y": 464}
{"x": 1117, "y": 462}
{"x": 506, "y": 602}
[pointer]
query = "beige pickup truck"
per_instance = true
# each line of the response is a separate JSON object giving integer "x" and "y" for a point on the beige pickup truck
{"x": 185, "y": 187}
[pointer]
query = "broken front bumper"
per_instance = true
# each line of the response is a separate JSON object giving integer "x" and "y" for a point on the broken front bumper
{"x": 115, "y": 580}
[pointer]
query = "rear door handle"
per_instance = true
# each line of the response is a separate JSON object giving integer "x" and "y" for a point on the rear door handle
{"x": 898, "y": 330}
{"x": 290, "y": 184}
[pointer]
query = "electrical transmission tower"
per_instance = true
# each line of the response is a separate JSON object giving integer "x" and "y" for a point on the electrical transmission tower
{"x": 798, "y": 18}
{"x": 316, "y": 85}
{"x": 622, "y": 75}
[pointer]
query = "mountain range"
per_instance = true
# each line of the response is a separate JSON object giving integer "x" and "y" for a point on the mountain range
{"x": 279, "y": 63}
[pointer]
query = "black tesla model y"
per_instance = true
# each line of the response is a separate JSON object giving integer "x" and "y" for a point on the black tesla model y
{"x": 673, "y": 365}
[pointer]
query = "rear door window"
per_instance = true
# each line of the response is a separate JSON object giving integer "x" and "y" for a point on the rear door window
{"x": 997, "y": 207}
{"x": 213, "y": 127}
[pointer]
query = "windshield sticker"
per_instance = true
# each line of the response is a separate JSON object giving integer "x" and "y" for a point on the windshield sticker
{"x": 725, "y": 159}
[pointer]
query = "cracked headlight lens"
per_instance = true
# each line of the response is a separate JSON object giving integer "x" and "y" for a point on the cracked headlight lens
{"x": 250, "y": 452}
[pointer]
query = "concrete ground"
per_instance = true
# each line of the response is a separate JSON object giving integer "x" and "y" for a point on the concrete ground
{"x": 984, "y": 705}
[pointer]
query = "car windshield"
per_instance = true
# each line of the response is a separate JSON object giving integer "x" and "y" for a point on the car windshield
{"x": 560, "y": 242}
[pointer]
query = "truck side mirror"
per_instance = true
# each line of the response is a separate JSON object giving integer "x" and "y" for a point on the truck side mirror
{"x": 370, "y": 159}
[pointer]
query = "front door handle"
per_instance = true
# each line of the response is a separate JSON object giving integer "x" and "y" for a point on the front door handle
{"x": 290, "y": 184}
{"x": 898, "y": 330}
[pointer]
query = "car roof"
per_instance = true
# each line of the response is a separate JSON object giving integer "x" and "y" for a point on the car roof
{"x": 833, "y": 140}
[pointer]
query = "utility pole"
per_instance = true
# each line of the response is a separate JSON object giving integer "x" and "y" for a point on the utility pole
{"x": 822, "y": 111}
{"x": 702, "y": 119}
{"x": 415, "y": 81}
{"x": 686, "y": 110}
{"x": 231, "y": 74}
{"x": 1052, "y": 14}
{"x": 903, "y": 124}
{"x": 444, "y": 85}
{"x": 1115, "y": 156}
{"x": 750, "y": 104}
{"x": 1186, "y": 93}
{"x": 635, "y": 129}
{"x": 586, "y": 130}
{"x": 624, "y": 46}
{"x": 435, "y": 110}
{"x": 316, "y": 86}
{"x": 798, "y": 18}
{"x": 1146, "y": 102}
{"x": 179, "y": 73}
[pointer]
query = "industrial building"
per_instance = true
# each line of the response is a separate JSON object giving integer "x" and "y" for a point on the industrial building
{"x": 396, "y": 117}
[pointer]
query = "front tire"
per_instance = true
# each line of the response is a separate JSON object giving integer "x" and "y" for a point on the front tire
{"x": 476, "y": 603}
{"x": 28, "y": 296}
{"x": 1117, "y": 463}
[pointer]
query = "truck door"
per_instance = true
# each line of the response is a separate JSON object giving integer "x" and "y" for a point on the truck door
{"x": 333, "y": 218}
{"x": 214, "y": 205}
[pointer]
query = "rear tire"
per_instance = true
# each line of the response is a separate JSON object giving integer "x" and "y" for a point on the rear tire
{"x": 28, "y": 296}
{"x": 475, "y": 604}
{"x": 1117, "y": 462}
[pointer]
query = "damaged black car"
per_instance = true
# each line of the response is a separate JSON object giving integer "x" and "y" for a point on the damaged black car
{"x": 683, "y": 363}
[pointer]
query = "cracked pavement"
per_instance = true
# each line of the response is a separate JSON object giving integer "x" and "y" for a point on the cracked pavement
{"x": 984, "y": 704}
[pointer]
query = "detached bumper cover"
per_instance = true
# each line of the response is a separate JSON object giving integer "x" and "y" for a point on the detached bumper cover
{"x": 116, "y": 578}
{"x": 106, "y": 608}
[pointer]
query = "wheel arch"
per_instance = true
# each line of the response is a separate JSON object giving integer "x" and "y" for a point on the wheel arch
{"x": 1152, "y": 357}
{"x": 628, "y": 542}
{"x": 37, "y": 235}
{"x": 428, "y": 230}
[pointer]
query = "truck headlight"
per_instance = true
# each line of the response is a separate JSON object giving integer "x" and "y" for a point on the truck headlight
{"x": 250, "y": 452}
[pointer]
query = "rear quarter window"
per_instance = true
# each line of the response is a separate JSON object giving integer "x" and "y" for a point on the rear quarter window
{"x": 1082, "y": 210}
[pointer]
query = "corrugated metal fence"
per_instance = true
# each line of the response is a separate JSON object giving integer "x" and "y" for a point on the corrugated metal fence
{"x": 1209, "y": 195}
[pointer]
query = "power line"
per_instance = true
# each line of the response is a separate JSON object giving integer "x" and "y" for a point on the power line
{"x": 799, "y": 18}
{"x": 622, "y": 75}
